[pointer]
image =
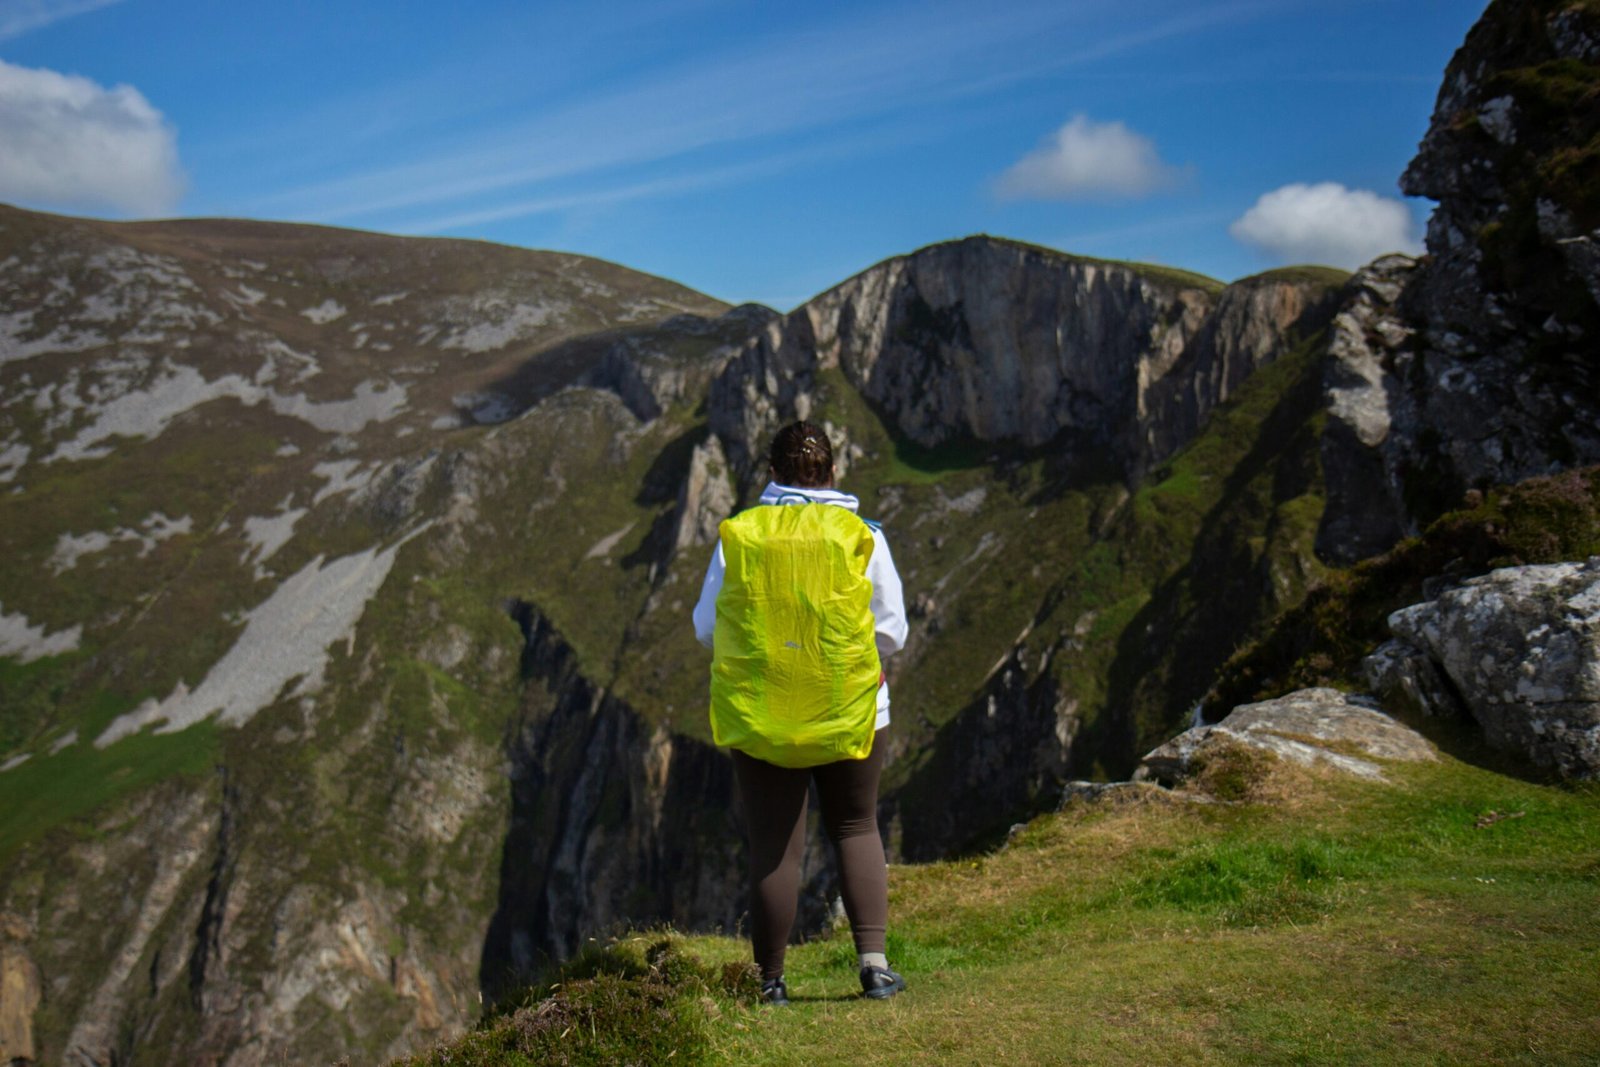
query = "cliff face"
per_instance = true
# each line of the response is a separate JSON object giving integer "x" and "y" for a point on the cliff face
{"x": 613, "y": 819}
{"x": 998, "y": 343}
{"x": 1485, "y": 353}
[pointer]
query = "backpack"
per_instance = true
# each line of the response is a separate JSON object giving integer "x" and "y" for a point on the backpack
{"x": 794, "y": 671}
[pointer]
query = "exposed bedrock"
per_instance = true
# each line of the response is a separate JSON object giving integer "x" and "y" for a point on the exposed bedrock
{"x": 1369, "y": 351}
{"x": 1482, "y": 364}
{"x": 1520, "y": 649}
{"x": 994, "y": 341}
{"x": 1312, "y": 727}
{"x": 1006, "y": 754}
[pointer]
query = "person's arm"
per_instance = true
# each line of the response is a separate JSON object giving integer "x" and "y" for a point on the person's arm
{"x": 888, "y": 599}
{"x": 705, "y": 610}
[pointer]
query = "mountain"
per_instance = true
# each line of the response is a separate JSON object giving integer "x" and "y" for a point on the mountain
{"x": 346, "y": 613}
{"x": 345, "y": 668}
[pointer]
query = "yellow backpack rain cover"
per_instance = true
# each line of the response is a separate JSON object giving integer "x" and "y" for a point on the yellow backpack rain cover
{"x": 794, "y": 670}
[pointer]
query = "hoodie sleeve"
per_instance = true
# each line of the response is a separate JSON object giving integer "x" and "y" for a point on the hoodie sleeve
{"x": 888, "y": 599}
{"x": 705, "y": 610}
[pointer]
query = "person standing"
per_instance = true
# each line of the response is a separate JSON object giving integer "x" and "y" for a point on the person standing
{"x": 801, "y": 603}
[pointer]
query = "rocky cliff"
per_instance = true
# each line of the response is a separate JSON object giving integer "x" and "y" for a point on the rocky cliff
{"x": 1518, "y": 650}
{"x": 992, "y": 342}
{"x": 1479, "y": 365}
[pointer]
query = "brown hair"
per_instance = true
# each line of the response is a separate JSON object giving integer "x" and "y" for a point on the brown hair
{"x": 802, "y": 456}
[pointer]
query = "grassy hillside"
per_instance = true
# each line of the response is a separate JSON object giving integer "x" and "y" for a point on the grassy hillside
{"x": 1452, "y": 916}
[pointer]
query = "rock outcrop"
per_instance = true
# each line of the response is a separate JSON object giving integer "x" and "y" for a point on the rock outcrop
{"x": 1252, "y": 323}
{"x": 1501, "y": 380}
{"x": 19, "y": 992}
{"x": 1519, "y": 649}
{"x": 612, "y": 820}
{"x": 996, "y": 341}
{"x": 1309, "y": 726}
{"x": 1369, "y": 355}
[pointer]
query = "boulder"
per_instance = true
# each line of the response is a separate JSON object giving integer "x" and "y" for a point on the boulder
{"x": 1309, "y": 726}
{"x": 1521, "y": 646}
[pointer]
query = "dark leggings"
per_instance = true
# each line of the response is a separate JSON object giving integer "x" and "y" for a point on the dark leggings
{"x": 775, "y": 810}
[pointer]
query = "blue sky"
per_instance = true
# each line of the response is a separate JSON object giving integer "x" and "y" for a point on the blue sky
{"x": 753, "y": 151}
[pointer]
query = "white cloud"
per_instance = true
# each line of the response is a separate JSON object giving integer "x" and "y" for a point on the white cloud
{"x": 71, "y": 143}
{"x": 1327, "y": 223}
{"x": 1087, "y": 158}
{"x": 17, "y": 17}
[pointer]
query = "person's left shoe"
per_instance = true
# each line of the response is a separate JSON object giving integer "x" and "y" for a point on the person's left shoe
{"x": 774, "y": 992}
{"x": 880, "y": 983}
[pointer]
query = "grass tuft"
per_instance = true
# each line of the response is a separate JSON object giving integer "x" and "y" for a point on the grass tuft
{"x": 636, "y": 1000}
{"x": 1231, "y": 770}
{"x": 1248, "y": 883}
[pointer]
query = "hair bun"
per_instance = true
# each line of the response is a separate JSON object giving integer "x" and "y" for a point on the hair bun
{"x": 802, "y": 456}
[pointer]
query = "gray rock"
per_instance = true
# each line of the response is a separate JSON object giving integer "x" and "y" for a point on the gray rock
{"x": 1522, "y": 647}
{"x": 1094, "y": 792}
{"x": 1306, "y": 727}
{"x": 1173, "y": 760}
{"x": 1368, "y": 339}
{"x": 706, "y": 498}
{"x": 995, "y": 341}
{"x": 1405, "y": 678}
{"x": 1476, "y": 366}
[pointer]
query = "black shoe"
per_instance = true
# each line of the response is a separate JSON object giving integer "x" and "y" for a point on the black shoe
{"x": 880, "y": 983}
{"x": 774, "y": 992}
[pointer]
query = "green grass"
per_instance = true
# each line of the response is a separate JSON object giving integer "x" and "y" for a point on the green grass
{"x": 1329, "y": 921}
{"x": 65, "y": 789}
{"x": 1174, "y": 276}
{"x": 1331, "y": 277}
{"x": 31, "y": 692}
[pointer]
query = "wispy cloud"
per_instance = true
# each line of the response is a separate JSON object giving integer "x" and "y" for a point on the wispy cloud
{"x": 687, "y": 181}
{"x": 590, "y": 198}
{"x": 793, "y": 84}
{"x": 1154, "y": 227}
{"x": 867, "y": 66}
{"x": 18, "y": 17}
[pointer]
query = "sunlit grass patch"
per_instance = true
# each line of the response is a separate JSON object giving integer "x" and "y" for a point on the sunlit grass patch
{"x": 1451, "y": 914}
{"x": 1247, "y": 882}
{"x": 63, "y": 788}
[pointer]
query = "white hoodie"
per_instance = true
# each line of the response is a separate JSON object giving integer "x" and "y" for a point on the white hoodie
{"x": 888, "y": 600}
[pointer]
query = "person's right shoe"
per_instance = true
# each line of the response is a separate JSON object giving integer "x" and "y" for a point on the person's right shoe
{"x": 880, "y": 983}
{"x": 774, "y": 992}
